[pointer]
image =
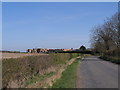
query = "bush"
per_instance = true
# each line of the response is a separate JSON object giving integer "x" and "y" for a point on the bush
{"x": 111, "y": 59}
{"x": 26, "y": 67}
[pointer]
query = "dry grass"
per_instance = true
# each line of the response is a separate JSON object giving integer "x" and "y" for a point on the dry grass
{"x": 16, "y": 70}
{"x": 49, "y": 81}
{"x": 17, "y": 55}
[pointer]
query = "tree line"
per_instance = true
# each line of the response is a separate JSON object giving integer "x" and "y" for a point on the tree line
{"x": 105, "y": 38}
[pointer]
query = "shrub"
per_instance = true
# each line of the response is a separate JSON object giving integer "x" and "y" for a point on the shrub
{"x": 22, "y": 68}
{"x": 111, "y": 59}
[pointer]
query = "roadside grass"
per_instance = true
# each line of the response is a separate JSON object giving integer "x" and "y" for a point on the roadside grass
{"x": 68, "y": 78}
{"x": 111, "y": 59}
{"x": 38, "y": 78}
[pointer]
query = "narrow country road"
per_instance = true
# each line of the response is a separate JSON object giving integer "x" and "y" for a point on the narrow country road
{"x": 96, "y": 73}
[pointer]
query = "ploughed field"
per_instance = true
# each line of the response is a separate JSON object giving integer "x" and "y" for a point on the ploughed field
{"x": 17, "y": 55}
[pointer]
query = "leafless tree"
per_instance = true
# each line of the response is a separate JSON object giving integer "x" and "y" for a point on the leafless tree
{"x": 106, "y": 37}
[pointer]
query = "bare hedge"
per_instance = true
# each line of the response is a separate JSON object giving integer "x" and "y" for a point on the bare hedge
{"x": 20, "y": 69}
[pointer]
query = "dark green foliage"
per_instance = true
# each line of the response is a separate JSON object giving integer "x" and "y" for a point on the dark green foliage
{"x": 111, "y": 59}
{"x": 82, "y": 48}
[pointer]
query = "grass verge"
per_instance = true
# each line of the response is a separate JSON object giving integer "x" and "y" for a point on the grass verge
{"x": 68, "y": 78}
{"x": 111, "y": 59}
{"x": 38, "y": 78}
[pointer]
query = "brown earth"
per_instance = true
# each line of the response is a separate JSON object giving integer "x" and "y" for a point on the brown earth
{"x": 17, "y": 55}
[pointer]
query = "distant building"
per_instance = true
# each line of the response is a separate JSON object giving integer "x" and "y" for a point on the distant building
{"x": 37, "y": 50}
{"x": 66, "y": 49}
{"x": 34, "y": 50}
{"x": 29, "y": 50}
{"x": 44, "y": 50}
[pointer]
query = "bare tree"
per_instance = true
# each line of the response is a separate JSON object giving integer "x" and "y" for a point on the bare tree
{"x": 106, "y": 37}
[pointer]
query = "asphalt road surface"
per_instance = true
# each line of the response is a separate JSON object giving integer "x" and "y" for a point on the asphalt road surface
{"x": 96, "y": 73}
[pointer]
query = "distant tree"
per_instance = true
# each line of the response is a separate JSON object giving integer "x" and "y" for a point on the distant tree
{"x": 105, "y": 38}
{"x": 82, "y": 48}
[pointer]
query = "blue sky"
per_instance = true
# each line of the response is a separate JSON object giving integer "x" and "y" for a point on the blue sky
{"x": 52, "y": 25}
